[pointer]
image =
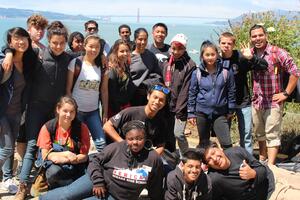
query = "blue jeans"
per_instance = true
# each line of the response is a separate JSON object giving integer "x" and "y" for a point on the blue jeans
{"x": 80, "y": 189}
{"x": 37, "y": 115}
{"x": 245, "y": 128}
{"x": 9, "y": 128}
{"x": 93, "y": 122}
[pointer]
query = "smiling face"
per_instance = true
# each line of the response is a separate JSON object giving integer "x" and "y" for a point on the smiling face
{"x": 156, "y": 101}
{"x": 19, "y": 43}
{"x": 191, "y": 170}
{"x": 258, "y": 38}
{"x": 92, "y": 48}
{"x": 209, "y": 56}
{"x": 66, "y": 113}
{"x": 216, "y": 159}
{"x": 159, "y": 34}
{"x": 77, "y": 44}
{"x": 135, "y": 139}
{"x": 141, "y": 41}
{"x": 57, "y": 44}
{"x": 123, "y": 53}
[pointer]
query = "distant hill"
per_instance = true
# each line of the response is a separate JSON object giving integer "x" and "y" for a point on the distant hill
{"x": 21, "y": 13}
{"x": 279, "y": 13}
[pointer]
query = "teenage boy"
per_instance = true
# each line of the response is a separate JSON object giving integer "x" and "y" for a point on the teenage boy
{"x": 269, "y": 93}
{"x": 241, "y": 63}
{"x": 125, "y": 33}
{"x": 91, "y": 27}
{"x": 158, "y": 47}
{"x": 177, "y": 72}
{"x": 188, "y": 181}
{"x": 149, "y": 114}
{"x": 237, "y": 175}
{"x": 36, "y": 25}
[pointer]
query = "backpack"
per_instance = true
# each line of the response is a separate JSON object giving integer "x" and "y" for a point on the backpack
{"x": 295, "y": 95}
{"x": 226, "y": 64}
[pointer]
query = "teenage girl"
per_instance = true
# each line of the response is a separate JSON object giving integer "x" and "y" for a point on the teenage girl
{"x": 120, "y": 84}
{"x": 13, "y": 89}
{"x": 86, "y": 85}
{"x": 211, "y": 100}
{"x": 49, "y": 83}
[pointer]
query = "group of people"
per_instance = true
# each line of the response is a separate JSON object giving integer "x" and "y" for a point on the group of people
{"x": 143, "y": 95}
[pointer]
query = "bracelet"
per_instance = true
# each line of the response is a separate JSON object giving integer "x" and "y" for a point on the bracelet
{"x": 285, "y": 93}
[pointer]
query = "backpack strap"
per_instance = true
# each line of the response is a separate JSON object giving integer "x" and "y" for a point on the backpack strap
{"x": 198, "y": 75}
{"x": 224, "y": 72}
{"x": 77, "y": 70}
{"x": 75, "y": 132}
{"x": 277, "y": 69}
{"x": 226, "y": 66}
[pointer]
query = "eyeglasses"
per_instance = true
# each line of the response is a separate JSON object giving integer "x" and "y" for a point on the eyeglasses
{"x": 161, "y": 88}
{"x": 92, "y": 28}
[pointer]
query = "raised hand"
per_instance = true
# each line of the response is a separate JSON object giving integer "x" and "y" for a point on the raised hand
{"x": 246, "y": 51}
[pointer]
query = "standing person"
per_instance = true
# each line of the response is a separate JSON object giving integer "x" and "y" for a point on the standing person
{"x": 211, "y": 99}
{"x": 68, "y": 141}
{"x": 48, "y": 85}
{"x": 14, "y": 84}
{"x": 269, "y": 93}
{"x": 144, "y": 68}
{"x": 75, "y": 43}
{"x": 149, "y": 114}
{"x": 125, "y": 33}
{"x": 121, "y": 171}
{"x": 36, "y": 25}
{"x": 241, "y": 62}
{"x": 177, "y": 74}
{"x": 188, "y": 181}
{"x": 86, "y": 84}
{"x": 91, "y": 27}
{"x": 120, "y": 84}
{"x": 159, "y": 47}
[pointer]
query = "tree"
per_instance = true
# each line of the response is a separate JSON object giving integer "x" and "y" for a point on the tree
{"x": 282, "y": 32}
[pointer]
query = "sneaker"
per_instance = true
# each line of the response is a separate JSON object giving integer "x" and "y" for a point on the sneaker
{"x": 22, "y": 192}
{"x": 10, "y": 186}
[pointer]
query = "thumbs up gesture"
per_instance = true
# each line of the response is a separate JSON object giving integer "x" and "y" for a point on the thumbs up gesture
{"x": 246, "y": 172}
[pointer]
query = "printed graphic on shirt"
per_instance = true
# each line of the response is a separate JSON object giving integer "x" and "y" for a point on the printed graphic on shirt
{"x": 89, "y": 85}
{"x": 161, "y": 57}
{"x": 137, "y": 176}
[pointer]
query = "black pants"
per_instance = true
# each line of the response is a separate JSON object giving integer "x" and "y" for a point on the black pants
{"x": 219, "y": 124}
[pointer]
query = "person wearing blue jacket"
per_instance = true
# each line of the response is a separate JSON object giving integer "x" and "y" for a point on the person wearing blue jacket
{"x": 211, "y": 100}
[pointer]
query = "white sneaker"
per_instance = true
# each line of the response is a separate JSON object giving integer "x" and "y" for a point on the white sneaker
{"x": 10, "y": 186}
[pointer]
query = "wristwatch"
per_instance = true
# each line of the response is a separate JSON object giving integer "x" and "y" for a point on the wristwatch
{"x": 285, "y": 93}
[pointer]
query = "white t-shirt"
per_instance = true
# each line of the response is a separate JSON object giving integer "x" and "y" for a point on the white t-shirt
{"x": 86, "y": 88}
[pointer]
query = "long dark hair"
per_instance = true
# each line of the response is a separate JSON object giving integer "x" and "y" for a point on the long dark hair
{"x": 30, "y": 57}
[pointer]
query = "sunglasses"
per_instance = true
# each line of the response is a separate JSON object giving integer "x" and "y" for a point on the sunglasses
{"x": 161, "y": 88}
{"x": 92, "y": 29}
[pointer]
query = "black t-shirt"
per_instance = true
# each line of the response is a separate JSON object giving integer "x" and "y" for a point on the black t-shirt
{"x": 162, "y": 54}
{"x": 155, "y": 127}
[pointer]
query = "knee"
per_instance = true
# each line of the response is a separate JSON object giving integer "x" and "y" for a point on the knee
{"x": 54, "y": 174}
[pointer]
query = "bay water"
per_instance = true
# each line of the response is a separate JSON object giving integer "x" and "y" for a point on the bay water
{"x": 195, "y": 29}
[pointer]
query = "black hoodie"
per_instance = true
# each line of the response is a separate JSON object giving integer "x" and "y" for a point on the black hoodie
{"x": 125, "y": 175}
{"x": 178, "y": 189}
{"x": 180, "y": 83}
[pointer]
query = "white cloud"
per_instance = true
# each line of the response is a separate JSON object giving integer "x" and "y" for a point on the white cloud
{"x": 293, "y": 5}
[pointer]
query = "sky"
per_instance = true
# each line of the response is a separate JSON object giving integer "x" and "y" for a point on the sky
{"x": 195, "y": 8}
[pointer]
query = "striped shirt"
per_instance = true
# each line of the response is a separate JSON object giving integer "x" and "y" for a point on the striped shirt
{"x": 269, "y": 82}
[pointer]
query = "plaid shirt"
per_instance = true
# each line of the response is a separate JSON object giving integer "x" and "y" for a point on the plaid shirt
{"x": 269, "y": 82}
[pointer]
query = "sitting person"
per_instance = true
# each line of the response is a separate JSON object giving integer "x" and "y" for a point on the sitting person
{"x": 188, "y": 181}
{"x": 121, "y": 171}
{"x": 237, "y": 175}
{"x": 68, "y": 141}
